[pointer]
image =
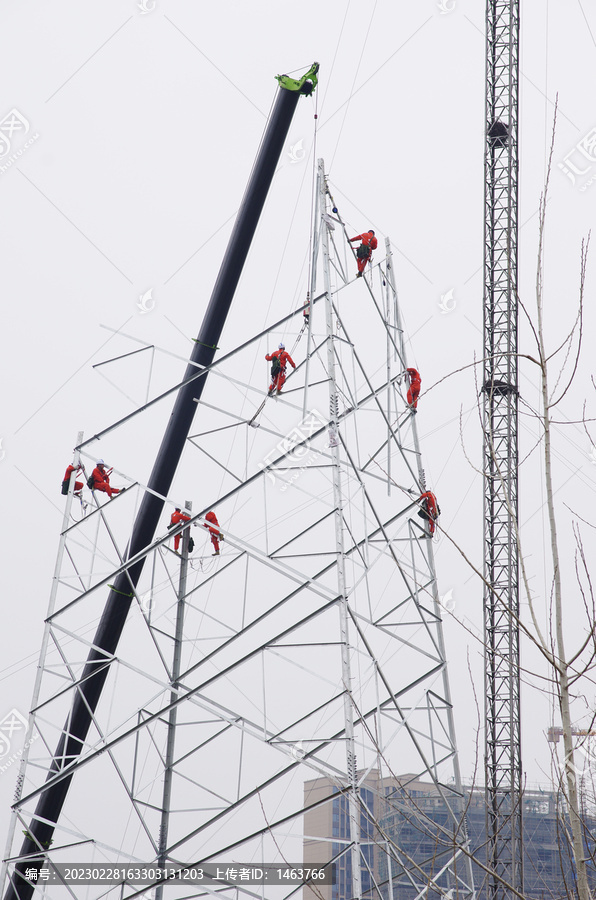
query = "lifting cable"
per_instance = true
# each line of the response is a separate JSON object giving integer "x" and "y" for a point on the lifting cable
{"x": 339, "y": 219}
{"x": 252, "y": 421}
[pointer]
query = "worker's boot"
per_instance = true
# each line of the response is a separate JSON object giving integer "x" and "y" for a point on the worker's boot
{"x": 216, "y": 553}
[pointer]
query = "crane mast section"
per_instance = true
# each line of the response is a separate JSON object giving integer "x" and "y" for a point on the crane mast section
{"x": 500, "y": 422}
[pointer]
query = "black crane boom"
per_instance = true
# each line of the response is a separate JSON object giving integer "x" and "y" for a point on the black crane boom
{"x": 40, "y": 832}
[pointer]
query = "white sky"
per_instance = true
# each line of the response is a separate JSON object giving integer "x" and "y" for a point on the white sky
{"x": 143, "y": 126}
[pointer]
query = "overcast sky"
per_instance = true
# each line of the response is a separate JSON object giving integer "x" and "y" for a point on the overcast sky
{"x": 129, "y": 132}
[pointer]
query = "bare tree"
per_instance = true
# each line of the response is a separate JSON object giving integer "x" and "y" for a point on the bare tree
{"x": 566, "y": 669}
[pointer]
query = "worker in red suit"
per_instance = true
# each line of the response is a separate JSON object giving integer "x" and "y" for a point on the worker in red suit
{"x": 100, "y": 480}
{"x": 429, "y": 510}
{"x": 78, "y": 486}
{"x": 177, "y": 517}
{"x": 364, "y": 251}
{"x": 414, "y": 388}
{"x": 279, "y": 360}
{"x": 214, "y": 531}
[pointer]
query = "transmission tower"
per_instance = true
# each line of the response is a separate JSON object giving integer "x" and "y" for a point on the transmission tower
{"x": 500, "y": 390}
{"x": 310, "y": 649}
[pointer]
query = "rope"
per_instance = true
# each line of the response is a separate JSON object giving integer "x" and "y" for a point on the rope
{"x": 300, "y": 333}
{"x": 312, "y": 200}
{"x": 251, "y": 422}
{"x": 341, "y": 221}
{"x": 372, "y": 15}
{"x": 261, "y": 407}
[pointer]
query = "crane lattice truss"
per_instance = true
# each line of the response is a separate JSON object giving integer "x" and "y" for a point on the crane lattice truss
{"x": 311, "y": 648}
{"x": 501, "y": 601}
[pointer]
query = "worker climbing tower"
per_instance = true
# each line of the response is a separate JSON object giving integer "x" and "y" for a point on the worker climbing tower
{"x": 500, "y": 393}
{"x": 246, "y": 694}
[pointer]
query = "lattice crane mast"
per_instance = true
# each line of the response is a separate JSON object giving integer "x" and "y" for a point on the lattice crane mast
{"x": 503, "y": 770}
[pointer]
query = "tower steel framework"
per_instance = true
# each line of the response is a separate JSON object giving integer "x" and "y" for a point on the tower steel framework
{"x": 311, "y": 648}
{"x": 73, "y": 737}
{"x": 500, "y": 390}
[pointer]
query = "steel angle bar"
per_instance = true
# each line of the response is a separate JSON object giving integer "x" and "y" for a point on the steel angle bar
{"x": 343, "y": 275}
{"x": 62, "y": 581}
{"x": 312, "y": 384}
{"x": 335, "y": 699}
{"x": 303, "y": 532}
{"x": 242, "y": 889}
{"x": 163, "y": 685}
{"x": 315, "y": 434}
{"x": 214, "y": 430}
{"x": 385, "y": 443}
{"x": 118, "y": 388}
{"x": 242, "y": 421}
{"x": 368, "y": 567}
{"x": 189, "y": 694}
{"x": 96, "y": 510}
{"x": 382, "y": 318}
{"x": 308, "y": 644}
{"x": 379, "y": 405}
{"x": 346, "y": 387}
{"x": 125, "y": 566}
{"x": 279, "y": 567}
{"x": 204, "y": 370}
{"x": 274, "y": 778}
{"x": 216, "y": 461}
{"x": 405, "y": 719}
{"x": 435, "y": 658}
{"x": 212, "y": 575}
{"x": 417, "y": 682}
{"x": 123, "y": 355}
{"x": 382, "y": 528}
{"x": 207, "y": 615}
{"x": 302, "y": 468}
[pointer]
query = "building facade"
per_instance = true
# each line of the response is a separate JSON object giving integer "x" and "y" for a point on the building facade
{"x": 408, "y": 837}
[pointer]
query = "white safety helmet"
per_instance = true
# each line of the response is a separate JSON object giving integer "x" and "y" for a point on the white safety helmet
{"x": 282, "y": 346}
{"x": 100, "y": 462}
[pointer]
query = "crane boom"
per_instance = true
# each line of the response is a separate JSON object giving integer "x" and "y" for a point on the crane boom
{"x": 38, "y": 836}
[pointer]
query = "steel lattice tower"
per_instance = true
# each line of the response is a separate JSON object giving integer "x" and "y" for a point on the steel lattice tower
{"x": 305, "y": 665}
{"x": 501, "y": 601}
